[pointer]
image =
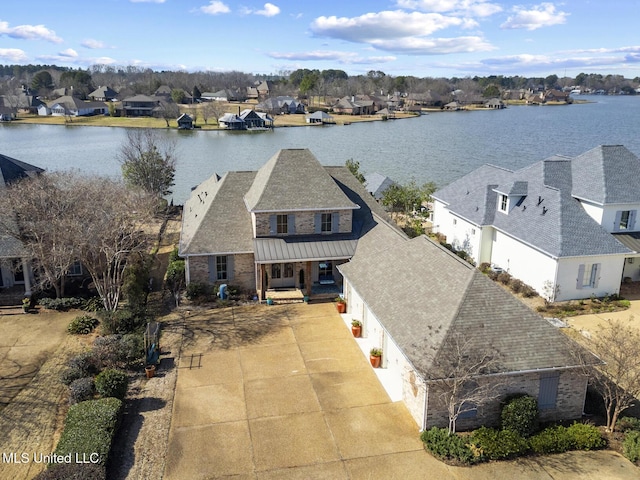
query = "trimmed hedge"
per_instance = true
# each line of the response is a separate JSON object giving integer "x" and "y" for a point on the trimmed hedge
{"x": 440, "y": 444}
{"x": 61, "y": 304}
{"x": 585, "y": 437}
{"x": 82, "y": 325}
{"x": 558, "y": 439}
{"x": 520, "y": 414}
{"x": 73, "y": 471}
{"x": 499, "y": 444}
{"x": 89, "y": 429}
{"x": 81, "y": 390}
{"x": 112, "y": 383}
{"x": 631, "y": 446}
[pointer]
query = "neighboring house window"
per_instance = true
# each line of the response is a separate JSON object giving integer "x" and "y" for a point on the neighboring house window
{"x": 325, "y": 223}
{"x": 503, "y": 203}
{"x": 221, "y": 268}
{"x": 625, "y": 220}
{"x": 548, "y": 393}
{"x": 288, "y": 270}
{"x": 470, "y": 411}
{"x": 455, "y": 221}
{"x": 588, "y": 275}
{"x": 276, "y": 270}
{"x": 18, "y": 272}
{"x": 75, "y": 269}
{"x": 282, "y": 224}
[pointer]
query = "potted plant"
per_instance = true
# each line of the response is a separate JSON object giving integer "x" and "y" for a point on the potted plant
{"x": 375, "y": 355}
{"x": 341, "y": 305}
{"x": 26, "y": 304}
{"x": 150, "y": 370}
{"x": 356, "y": 328}
{"x": 269, "y": 301}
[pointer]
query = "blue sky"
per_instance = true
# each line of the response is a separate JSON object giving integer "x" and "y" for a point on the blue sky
{"x": 425, "y": 38}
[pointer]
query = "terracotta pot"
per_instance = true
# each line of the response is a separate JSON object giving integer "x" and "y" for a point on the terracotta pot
{"x": 375, "y": 361}
{"x": 356, "y": 331}
{"x": 342, "y": 307}
{"x": 150, "y": 370}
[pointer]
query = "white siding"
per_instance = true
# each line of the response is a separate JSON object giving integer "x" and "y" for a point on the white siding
{"x": 609, "y": 273}
{"x": 521, "y": 261}
{"x": 461, "y": 234}
{"x": 610, "y": 218}
{"x": 632, "y": 269}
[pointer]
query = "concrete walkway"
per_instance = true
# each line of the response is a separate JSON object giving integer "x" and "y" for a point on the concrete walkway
{"x": 284, "y": 392}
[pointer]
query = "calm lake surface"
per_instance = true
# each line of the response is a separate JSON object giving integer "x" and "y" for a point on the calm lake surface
{"x": 437, "y": 147}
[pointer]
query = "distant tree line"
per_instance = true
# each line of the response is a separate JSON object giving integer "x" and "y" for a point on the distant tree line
{"x": 306, "y": 82}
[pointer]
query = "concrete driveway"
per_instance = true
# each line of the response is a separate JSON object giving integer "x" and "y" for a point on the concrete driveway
{"x": 284, "y": 392}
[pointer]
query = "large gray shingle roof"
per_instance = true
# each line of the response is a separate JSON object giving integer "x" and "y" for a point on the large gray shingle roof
{"x": 607, "y": 174}
{"x": 423, "y": 294}
{"x": 294, "y": 180}
{"x": 549, "y": 218}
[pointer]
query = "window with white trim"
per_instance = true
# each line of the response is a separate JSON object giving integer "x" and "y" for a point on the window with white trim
{"x": 503, "y": 203}
{"x": 75, "y": 269}
{"x": 276, "y": 270}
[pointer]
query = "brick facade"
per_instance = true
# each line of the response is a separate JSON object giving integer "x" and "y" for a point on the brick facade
{"x": 243, "y": 271}
{"x": 304, "y": 222}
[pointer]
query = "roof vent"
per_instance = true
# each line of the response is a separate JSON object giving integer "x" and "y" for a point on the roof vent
{"x": 540, "y": 200}
{"x": 544, "y": 210}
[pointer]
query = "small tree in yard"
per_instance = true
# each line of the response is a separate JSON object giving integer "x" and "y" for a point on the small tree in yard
{"x": 175, "y": 279}
{"x": 617, "y": 380}
{"x": 457, "y": 374}
{"x": 354, "y": 168}
{"x": 148, "y": 162}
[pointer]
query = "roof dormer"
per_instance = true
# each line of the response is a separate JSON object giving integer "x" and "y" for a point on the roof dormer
{"x": 511, "y": 195}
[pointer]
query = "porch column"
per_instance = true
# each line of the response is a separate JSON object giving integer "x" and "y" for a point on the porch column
{"x": 308, "y": 278}
{"x": 26, "y": 270}
{"x": 261, "y": 282}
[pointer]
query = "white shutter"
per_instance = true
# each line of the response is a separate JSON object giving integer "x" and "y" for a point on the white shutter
{"x": 596, "y": 274}
{"x": 580, "y": 279}
{"x": 616, "y": 222}
{"x": 632, "y": 220}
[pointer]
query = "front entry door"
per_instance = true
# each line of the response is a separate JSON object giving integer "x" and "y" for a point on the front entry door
{"x": 282, "y": 276}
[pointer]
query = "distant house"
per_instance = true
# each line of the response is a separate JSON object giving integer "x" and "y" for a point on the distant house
{"x": 185, "y": 122}
{"x": 453, "y": 106}
{"x": 103, "y": 94}
{"x": 319, "y": 117}
{"x": 163, "y": 91}
{"x": 264, "y": 88}
{"x": 565, "y": 226}
{"x": 7, "y": 113}
{"x": 69, "y": 106}
{"x": 231, "y": 121}
{"x": 353, "y": 106}
{"x": 140, "y": 106}
{"x": 253, "y": 119}
{"x": 556, "y": 96}
{"x": 226, "y": 95}
{"x": 426, "y": 99}
{"x": 376, "y": 184}
{"x": 15, "y": 269}
{"x": 494, "y": 103}
{"x": 281, "y": 105}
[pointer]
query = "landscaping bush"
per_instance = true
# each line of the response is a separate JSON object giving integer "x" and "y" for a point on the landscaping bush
{"x": 89, "y": 429}
{"x": 131, "y": 347}
{"x": 585, "y": 437}
{"x": 626, "y": 424}
{"x": 516, "y": 285}
{"x": 504, "y": 278}
{"x": 122, "y": 321}
{"x": 60, "y": 304}
{"x": 112, "y": 383}
{"x": 136, "y": 283}
{"x": 73, "y": 471}
{"x": 81, "y": 389}
{"x": 85, "y": 362}
{"x": 520, "y": 414}
{"x": 485, "y": 267}
{"x": 528, "y": 292}
{"x": 82, "y": 325}
{"x": 498, "y": 444}
{"x": 631, "y": 446}
{"x": 118, "y": 350}
{"x": 554, "y": 439}
{"x": 92, "y": 304}
{"x": 69, "y": 375}
{"x": 440, "y": 444}
{"x": 196, "y": 290}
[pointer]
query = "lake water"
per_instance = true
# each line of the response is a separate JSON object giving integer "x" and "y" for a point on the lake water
{"x": 437, "y": 147}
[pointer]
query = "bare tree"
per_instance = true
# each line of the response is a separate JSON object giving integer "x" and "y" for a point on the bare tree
{"x": 148, "y": 161}
{"x": 168, "y": 111}
{"x": 617, "y": 379}
{"x": 38, "y": 215}
{"x": 458, "y": 376}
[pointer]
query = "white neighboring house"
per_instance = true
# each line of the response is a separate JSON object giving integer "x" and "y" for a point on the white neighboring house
{"x": 74, "y": 107}
{"x": 565, "y": 226}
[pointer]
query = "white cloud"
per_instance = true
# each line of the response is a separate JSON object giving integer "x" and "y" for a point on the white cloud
{"x": 69, "y": 52}
{"x": 13, "y": 55}
{"x": 543, "y": 15}
{"x": 269, "y": 10}
{"x": 383, "y": 25}
{"x": 92, "y": 44}
{"x": 29, "y": 32}
{"x": 345, "y": 58}
{"x": 475, "y": 8}
{"x": 215, "y": 7}
{"x": 434, "y": 46}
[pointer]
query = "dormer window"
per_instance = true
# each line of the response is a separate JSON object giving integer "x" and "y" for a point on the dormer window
{"x": 326, "y": 223}
{"x": 282, "y": 224}
{"x": 503, "y": 203}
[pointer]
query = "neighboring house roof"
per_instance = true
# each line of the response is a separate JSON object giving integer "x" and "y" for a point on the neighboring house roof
{"x": 606, "y": 174}
{"x": 546, "y": 217}
{"x": 71, "y": 103}
{"x": 376, "y": 184}
{"x": 141, "y": 99}
{"x": 293, "y": 180}
{"x": 320, "y": 115}
{"x": 430, "y": 307}
{"x": 185, "y": 117}
{"x": 103, "y": 92}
